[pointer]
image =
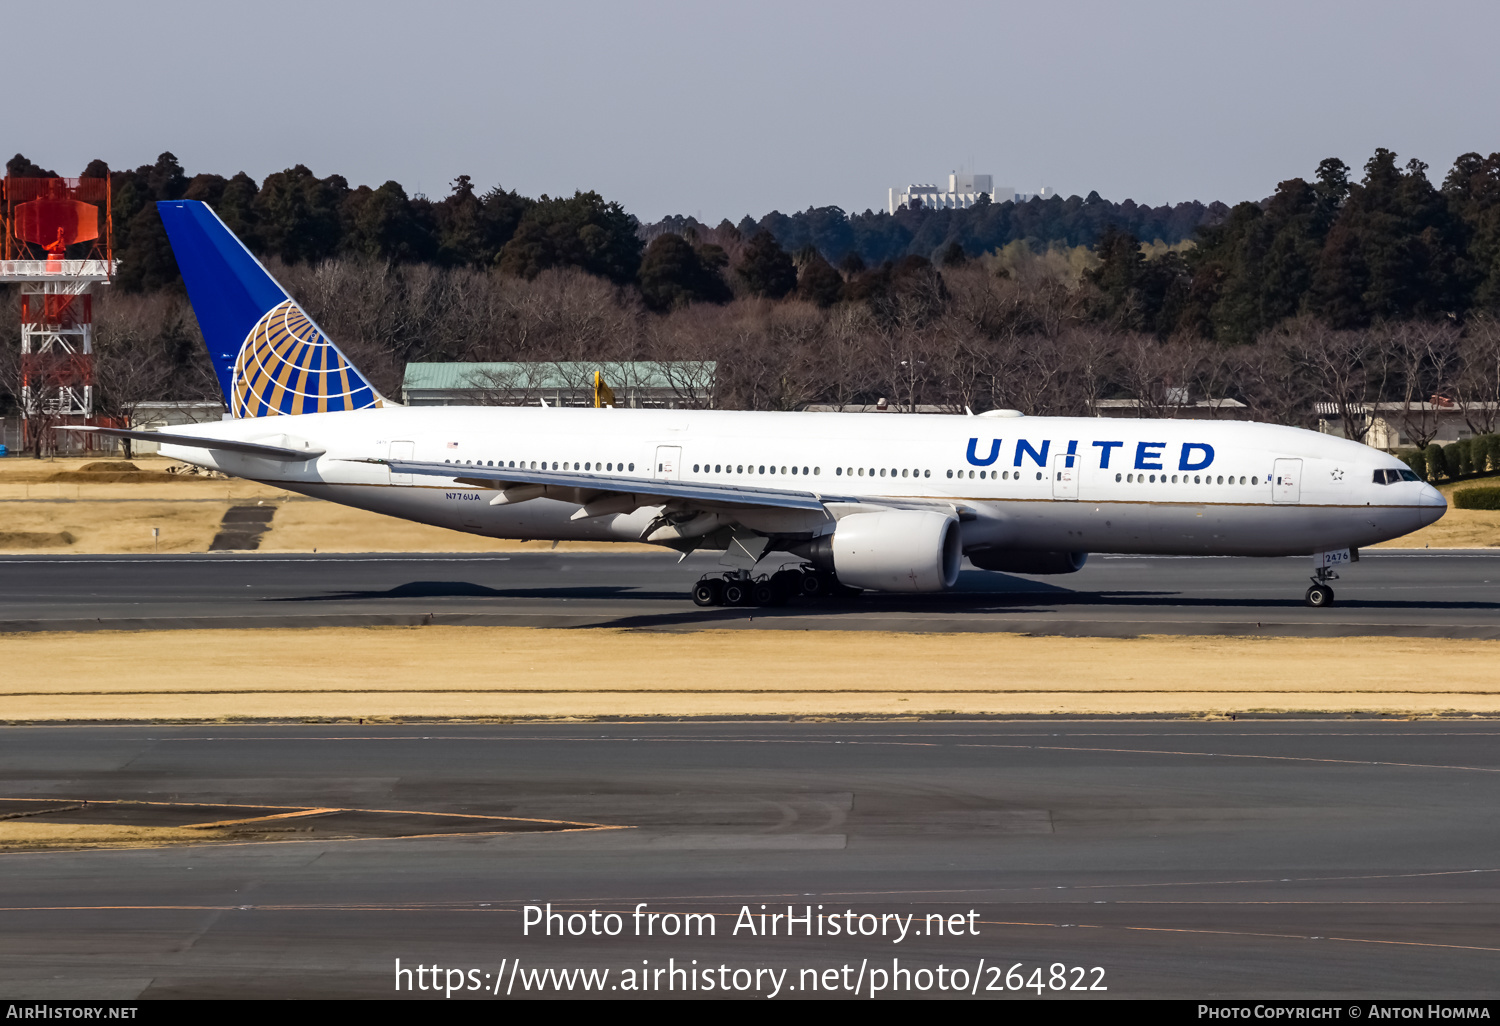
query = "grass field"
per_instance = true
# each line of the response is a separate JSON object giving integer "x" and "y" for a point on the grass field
{"x": 502, "y": 673}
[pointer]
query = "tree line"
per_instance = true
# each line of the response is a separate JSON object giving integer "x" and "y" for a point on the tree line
{"x": 1331, "y": 291}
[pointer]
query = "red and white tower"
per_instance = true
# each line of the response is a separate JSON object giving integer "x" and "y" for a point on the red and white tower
{"x": 58, "y": 245}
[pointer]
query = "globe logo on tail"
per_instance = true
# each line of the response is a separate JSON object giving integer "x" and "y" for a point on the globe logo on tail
{"x": 287, "y": 366}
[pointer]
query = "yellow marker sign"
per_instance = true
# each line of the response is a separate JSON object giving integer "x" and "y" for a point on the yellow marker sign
{"x": 603, "y": 394}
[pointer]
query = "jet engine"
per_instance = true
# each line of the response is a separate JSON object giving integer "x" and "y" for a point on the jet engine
{"x": 1010, "y": 561}
{"x": 891, "y": 550}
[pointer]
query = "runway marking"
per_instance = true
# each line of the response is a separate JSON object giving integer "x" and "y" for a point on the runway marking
{"x": 899, "y": 744}
{"x": 299, "y": 814}
{"x": 1228, "y": 755}
{"x": 293, "y": 811}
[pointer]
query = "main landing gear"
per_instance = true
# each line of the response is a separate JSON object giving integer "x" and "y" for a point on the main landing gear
{"x": 1320, "y": 594}
{"x": 739, "y": 588}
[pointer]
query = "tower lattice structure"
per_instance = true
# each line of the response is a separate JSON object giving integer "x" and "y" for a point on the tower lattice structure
{"x": 58, "y": 246}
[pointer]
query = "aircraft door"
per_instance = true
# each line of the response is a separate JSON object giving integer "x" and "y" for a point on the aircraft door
{"x": 1065, "y": 476}
{"x": 402, "y": 451}
{"x": 1287, "y": 481}
{"x": 668, "y": 463}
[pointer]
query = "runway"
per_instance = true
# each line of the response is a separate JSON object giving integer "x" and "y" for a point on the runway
{"x": 1332, "y": 858}
{"x": 1419, "y": 593}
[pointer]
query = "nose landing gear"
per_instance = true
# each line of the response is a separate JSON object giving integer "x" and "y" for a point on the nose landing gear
{"x": 1320, "y": 594}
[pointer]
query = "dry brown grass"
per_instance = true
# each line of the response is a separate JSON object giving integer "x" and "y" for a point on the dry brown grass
{"x": 1459, "y": 529}
{"x": 18, "y": 836}
{"x": 513, "y": 672}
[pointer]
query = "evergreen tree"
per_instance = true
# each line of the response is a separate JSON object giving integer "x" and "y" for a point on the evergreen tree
{"x": 583, "y": 231}
{"x": 383, "y": 224}
{"x": 674, "y": 274}
{"x": 818, "y": 282}
{"x": 765, "y": 267}
{"x": 299, "y": 214}
{"x": 19, "y": 167}
{"x": 141, "y": 245}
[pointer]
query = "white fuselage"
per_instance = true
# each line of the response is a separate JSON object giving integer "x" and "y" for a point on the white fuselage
{"x": 1025, "y": 483}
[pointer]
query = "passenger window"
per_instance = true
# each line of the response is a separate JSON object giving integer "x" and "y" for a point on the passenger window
{"x": 1129, "y": 478}
{"x": 794, "y": 471}
{"x": 632, "y": 466}
{"x": 882, "y": 472}
{"x": 1117, "y": 477}
{"x": 1174, "y": 478}
{"x": 1038, "y": 475}
{"x": 925, "y": 473}
{"x": 1153, "y": 479}
{"x": 950, "y": 473}
{"x": 1255, "y": 480}
{"x": 1197, "y": 479}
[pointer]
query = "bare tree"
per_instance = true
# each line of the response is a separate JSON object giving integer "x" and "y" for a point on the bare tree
{"x": 1476, "y": 385}
{"x": 1348, "y": 367}
{"x": 1422, "y": 357}
{"x": 1271, "y": 383}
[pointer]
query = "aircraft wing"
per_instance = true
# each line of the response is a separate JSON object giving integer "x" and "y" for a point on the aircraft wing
{"x": 644, "y": 487}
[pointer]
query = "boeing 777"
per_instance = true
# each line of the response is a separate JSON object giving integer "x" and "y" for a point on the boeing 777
{"x": 864, "y": 501}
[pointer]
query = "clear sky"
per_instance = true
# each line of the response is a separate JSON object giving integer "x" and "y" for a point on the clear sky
{"x": 721, "y": 109}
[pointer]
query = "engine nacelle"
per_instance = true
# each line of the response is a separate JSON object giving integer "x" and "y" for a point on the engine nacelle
{"x": 1010, "y": 561}
{"x": 897, "y": 550}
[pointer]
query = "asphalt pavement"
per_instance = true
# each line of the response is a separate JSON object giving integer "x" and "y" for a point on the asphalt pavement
{"x": 1418, "y": 593}
{"x": 1281, "y": 858}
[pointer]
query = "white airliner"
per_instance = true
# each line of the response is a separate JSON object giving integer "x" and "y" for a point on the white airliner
{"x": 868, "y": 501}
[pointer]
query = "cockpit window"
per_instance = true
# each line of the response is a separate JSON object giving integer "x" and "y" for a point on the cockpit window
{"x": 1408, "y": 475}
{"x": 1380, "y": 477}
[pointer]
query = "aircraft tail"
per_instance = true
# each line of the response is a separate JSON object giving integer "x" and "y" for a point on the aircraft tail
{"x": 271, "y": 359}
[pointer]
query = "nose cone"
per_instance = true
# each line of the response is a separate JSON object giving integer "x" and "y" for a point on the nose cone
{"x": 1431, "y": 506}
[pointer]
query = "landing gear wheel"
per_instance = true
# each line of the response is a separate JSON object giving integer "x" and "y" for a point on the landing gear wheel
{"x": 817, "y": 585}
{"x": 736, "y": 593}
{"x": 1319, "y": 595}
{"x": 764, "y": 593}
{"x": 788, "y": 584}
{"x": 708, "y": 593}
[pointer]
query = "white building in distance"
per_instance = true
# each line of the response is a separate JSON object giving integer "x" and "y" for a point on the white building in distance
{"x": 963, "y": 192}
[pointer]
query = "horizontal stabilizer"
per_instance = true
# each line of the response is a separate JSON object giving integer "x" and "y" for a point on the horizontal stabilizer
{"x": 265, "y": 452}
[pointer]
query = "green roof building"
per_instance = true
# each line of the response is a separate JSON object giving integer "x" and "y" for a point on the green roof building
{"x": 660, "y": 385}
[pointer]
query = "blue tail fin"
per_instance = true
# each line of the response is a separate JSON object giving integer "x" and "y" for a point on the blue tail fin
{"x": 270, "y": 357}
